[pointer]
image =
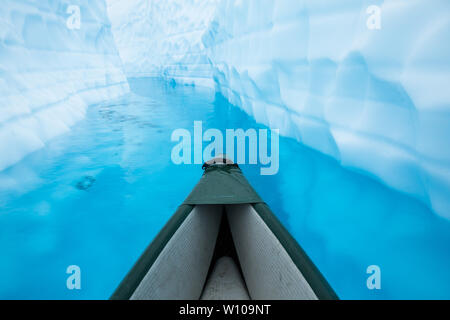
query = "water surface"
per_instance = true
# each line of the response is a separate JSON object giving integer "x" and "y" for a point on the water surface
{"x": 96, "y": 196}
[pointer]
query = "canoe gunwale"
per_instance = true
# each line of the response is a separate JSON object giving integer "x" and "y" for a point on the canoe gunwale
{"x": 225, "y": 185}
{"x": 134, "y": 277}
{"x": 312, "y": 274}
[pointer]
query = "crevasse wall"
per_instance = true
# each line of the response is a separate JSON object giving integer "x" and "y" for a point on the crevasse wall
{"x": 157, "y": 38}
{"x": 50, "y": 73}
{"x": 375, "y": 99}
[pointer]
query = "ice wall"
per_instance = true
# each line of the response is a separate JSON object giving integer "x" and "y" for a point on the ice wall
{"x": 361, "y": 81}
{"x": 320, "y": 70}
{"x": 51, "y": 69}
{"x": 163, "y": 38}
{"x": 366, "y": 85}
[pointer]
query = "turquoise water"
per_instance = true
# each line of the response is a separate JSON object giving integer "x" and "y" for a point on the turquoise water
{"x": 97, "y": 196}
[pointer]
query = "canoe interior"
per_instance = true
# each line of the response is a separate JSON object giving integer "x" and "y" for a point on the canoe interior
{"x": 224, "y": 252}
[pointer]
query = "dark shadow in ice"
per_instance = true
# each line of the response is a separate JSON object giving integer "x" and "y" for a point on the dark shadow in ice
{"x": 85, "y": 183}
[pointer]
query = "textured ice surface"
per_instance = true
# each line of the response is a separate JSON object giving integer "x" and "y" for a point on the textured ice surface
{"x": 49, "y": 73}
{"x": 375, "y": 99}
{"x": 163, "y": 38}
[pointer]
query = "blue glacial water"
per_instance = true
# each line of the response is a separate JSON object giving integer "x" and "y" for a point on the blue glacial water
{"x": 97, "y": 196}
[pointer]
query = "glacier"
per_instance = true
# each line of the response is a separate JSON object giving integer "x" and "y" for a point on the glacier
{"x": 50, "y": 71}
{"x": 370, "y": 97}
{"x": 375, "y": 99}
{"x": 163, "y": 38}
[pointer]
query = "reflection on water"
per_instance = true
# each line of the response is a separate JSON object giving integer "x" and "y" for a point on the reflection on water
{"x": 97, "y": 196}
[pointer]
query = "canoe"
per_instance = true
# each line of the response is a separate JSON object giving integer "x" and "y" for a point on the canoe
{"x": 224, "y": 243}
